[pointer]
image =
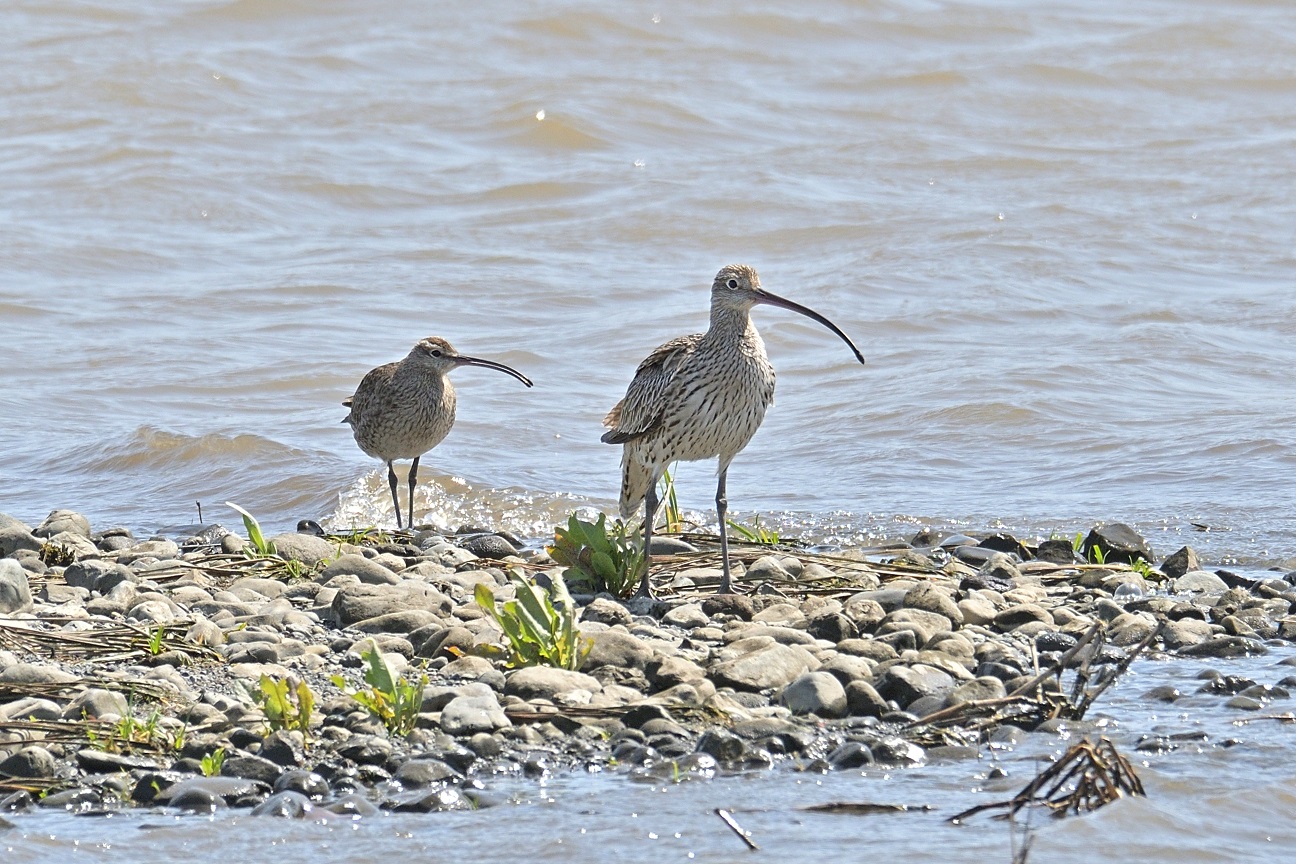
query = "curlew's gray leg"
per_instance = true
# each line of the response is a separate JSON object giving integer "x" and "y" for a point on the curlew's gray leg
{"x": 391, "y": 481}
{"x": 650, "y": 513}
{"x": 413, "y": 475}
{"x": 722, "y": 509}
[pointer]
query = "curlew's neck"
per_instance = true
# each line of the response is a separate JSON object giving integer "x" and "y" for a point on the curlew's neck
{"x": 729, "y": 323}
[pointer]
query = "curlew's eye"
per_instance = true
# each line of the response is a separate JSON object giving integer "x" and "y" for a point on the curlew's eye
{"x": 733, "y": 283}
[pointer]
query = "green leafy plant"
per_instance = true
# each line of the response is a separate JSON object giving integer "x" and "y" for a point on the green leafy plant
{"x": 212, "y": 762}
{"x": 598, "y": 559}
{"x": 155, "y": 643}
{"x": 666, "y": 494}
{"x": 395, "y": 701}
{"x": 286, "y": 706}
{"x": 1078, "y": 541}
{"x": 756, "y": 532}
{"x": 260, "y": 544}
{"x": 1097, "y": 555}
{"x": 540, "y": 625}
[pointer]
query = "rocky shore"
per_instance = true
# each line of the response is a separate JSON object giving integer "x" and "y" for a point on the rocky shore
{"x": 129, "y": 667}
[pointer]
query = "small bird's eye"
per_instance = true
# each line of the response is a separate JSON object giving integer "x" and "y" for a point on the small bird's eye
{"x": 733, "y": 283}
{"x": 436, "y": 352}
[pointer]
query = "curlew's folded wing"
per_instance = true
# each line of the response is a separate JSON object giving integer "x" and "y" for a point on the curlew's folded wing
{"x": 640, "y": 412}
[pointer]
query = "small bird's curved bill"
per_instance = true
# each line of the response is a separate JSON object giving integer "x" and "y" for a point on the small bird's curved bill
{"x": 775, "y": 300}
{"x": 461, "y": 360}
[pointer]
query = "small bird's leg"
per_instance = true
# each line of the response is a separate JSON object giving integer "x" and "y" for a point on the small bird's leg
{"x": 391, "y": 481}
{"x": 722, "y": 509}
{"x": 413, "y": 475}
{"x": 650, "y": 513}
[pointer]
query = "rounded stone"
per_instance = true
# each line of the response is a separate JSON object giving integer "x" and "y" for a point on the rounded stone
{"x": 818, "y": 693}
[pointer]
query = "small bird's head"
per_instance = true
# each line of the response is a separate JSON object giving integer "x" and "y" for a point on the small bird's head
{"x": 736, "y": 287}
{"x": 439, "y": 355}
{"x": 435, "y": 353}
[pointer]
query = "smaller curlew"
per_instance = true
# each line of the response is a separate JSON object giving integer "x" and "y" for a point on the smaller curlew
{"x": 699, "y": 397}
{"x": 402, "y": 410}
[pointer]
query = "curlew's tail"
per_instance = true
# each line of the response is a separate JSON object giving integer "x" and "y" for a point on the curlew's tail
{"x": 636, "y": 479}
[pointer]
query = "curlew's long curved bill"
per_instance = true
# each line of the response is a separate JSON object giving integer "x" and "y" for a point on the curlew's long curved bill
{"x": 461, "y": 360}
{"x": 766, "y": 297}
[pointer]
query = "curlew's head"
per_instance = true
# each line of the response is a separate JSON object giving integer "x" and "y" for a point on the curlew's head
{"x": 737, "y": 288}
{"x": 440, "y": 356}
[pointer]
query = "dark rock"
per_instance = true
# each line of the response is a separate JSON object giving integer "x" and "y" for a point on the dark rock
{"x": 421, "y": 773}
{"x": 1056, "y": 552}
{"x": 729, "y": 604}
{"x": 1003, "y": 542}
{"x": 250, "y": 767}
{"x": 1226, "y": 685}
{"x": 366, "y": 750}
{"x": 832, "y": 626}
{"x": 1023, "y": 613}
{"x": 78, "y": 799}
{"x": 488, "y": 546}
{"x": 863, "y": 700}
{"x": 662, "y": 545}
{"x": 1225, "y": 647}
{"x": 307, "y": 783}
{"x": 103, "y": 762}
{"x": 30, "y": 762}
{"x": 286, "y": 804}
{"x": 1119, "y": 544}
{"x": 723, "y": 745}
{"x": 1181, "y": 562}
{"x": 852, "y": 754}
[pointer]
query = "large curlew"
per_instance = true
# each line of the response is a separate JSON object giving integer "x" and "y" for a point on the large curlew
{"x": 699, "y": 397}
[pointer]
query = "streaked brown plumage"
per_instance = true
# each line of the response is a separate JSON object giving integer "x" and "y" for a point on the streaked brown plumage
{"x": 402, "y": 410}
{"x": 701, "y": 396}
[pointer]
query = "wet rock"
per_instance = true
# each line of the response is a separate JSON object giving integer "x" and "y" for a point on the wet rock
{"x": 306, "y": 548}
{"x": 286, "y": 804}
{"x": 1131, "y": 628}
{"x": 490, "y": 546}
{"x": 252, "y": 768}
{"x": 208, "y": 793}
{"x": 421, "y": 773}
{"x": 1244, "y": 703}
{"x": 722, "y": 745}
{"x": 852, "y": 754}
{"x": 15, "y": 590}
{"x": 1181, "y": 562}
{"x": 352, "y": 805}
{"x": 469, "y": 715}
{"x": 30, "y": 762}
{"x": 1119, "y": 544}
{"x": 306, "y": 783}
{"x": 897, "y": 751}
{"x": 78, "y": 799}
{"x": 818, "y": 693}
{"x": 1177, "y": 635}
{"x": 605, "y": 611}
{"x": 366, "y": 749}
{"x": 770, "y": 667}
{"x": 369, "y": 572}
{"x": 543, "y": 682}
{"x": 285, "y": 748}
{"x": 1225, "y": 647}
{"x": 103, "y": 762}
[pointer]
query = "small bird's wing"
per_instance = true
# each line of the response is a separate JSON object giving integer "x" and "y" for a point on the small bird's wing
{"x": 370, "y": 393}
{"x": 640, "y": 412}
